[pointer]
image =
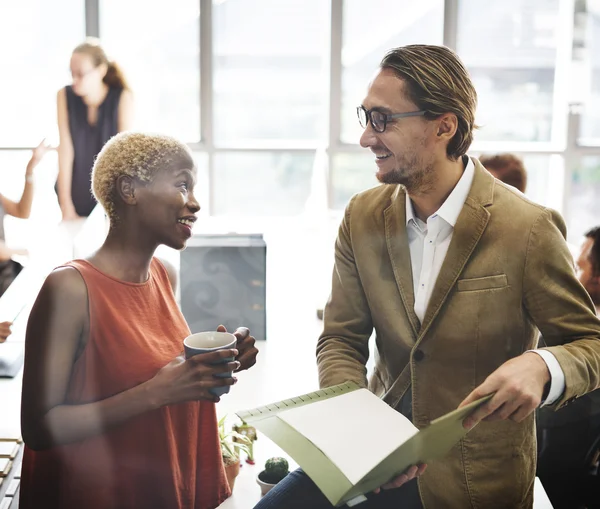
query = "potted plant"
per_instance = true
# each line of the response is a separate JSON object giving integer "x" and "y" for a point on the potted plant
{"x": 276, "y": 469}
{"x": 250, "y": 433}
{"x": 230, "y": 450}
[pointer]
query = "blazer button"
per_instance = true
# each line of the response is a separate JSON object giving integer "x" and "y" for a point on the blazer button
{"x": 418, "y": 355}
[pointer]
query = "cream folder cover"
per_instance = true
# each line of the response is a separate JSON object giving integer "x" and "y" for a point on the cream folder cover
{"x": 349, "y": 441}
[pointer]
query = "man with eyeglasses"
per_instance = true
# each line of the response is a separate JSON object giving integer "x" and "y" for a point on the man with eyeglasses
{"x": 455, "y": 272}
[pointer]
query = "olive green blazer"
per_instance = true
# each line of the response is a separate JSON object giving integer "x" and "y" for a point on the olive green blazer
{"x": 508, "y": 272}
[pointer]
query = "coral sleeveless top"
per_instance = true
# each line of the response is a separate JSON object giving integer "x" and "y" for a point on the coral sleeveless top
{"x": 167, "y": 458}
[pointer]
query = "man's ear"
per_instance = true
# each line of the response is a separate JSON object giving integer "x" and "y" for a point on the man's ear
{"x": 448, "y": 125}
{"x": 126, "y": 188}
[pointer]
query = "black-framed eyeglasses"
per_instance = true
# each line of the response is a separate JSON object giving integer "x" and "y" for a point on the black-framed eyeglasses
{"x": 380, "y": 120}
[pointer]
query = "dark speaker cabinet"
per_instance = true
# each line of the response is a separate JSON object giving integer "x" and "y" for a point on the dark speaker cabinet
{"x": 223, "y": 281}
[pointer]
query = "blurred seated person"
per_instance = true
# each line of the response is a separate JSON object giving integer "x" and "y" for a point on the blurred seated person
{"x": 507, "y": 168}
{"x": 9, "y": 268}
{"x": 566, "y": 438}
{"x": 112, "y": 414}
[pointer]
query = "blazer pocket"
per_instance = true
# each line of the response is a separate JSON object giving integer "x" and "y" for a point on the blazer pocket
{"x": 482, "y": 283}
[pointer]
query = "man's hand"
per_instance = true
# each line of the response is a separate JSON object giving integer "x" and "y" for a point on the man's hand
{"x": 4, "y": 330}
{"x": 410, "y": 474}
{"x": 245, "y": 345}
{"x": 518, "y": 386}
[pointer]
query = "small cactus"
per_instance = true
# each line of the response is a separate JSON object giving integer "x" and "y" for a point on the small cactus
{"x": 275, "y": 470}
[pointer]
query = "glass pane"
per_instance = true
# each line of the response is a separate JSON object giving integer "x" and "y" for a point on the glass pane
{"x": 157, "y": 45}
{"x": 202, "y": 190}
{"x": 35, "y": 65}
{"x": 367, "y": 36}
{"x": 583, "y": 202}
{"x": 269, "y": 74}
{"x": 590, "y": 115}
{"x": 350, "y": 174}
{"x": 545, "y": 180}
{"x": 509, "y": 48}
{"x": 262, "y": 184}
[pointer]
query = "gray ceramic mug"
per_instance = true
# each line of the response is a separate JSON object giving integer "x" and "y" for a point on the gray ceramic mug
{"x": 205, "y": 342}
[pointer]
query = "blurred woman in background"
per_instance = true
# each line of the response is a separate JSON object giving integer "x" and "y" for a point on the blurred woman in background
{"x": 98, "y": 105}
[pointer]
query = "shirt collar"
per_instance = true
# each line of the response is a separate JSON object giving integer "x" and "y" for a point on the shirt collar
{"x": 450, "y": 209}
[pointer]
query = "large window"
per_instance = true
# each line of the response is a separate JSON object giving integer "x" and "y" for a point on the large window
{"x": 202, "y": 189}
{"x": 590, "y": 118}
{"x": 351, "y": 173}
{"x": 37, "y": 38}
{"x": 270, "y": 77}
{"x": 510, "y": 49}
{"x": 545, "y": 179}
{"x": 157, "y": 45}
{"x": 367, "y": 35}
{"x": 584, "y": 197}
{"x": 262, "y": 184}
{"x": 265, "y": 91}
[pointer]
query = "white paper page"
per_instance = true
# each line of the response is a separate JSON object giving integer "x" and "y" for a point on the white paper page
{"x": 356, "y": 431}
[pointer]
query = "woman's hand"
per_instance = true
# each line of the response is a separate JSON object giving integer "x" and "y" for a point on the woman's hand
{"x": 191, "y": 379}
{"x": 245, "y": 345}
{"x": 40, "y": 151}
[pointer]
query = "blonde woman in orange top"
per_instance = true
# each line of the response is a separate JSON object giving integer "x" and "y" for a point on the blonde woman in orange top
{"x": 112, "y": 415}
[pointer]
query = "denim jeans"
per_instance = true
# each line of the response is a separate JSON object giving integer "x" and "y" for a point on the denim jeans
{"x": 297, "y": 491}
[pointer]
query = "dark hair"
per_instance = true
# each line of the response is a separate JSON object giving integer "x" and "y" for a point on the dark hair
{"x": 438, "y": 82}
{"x": 594, "y": 234}
{"x": 114, "y": 76}
{"x": 508, "y": 168}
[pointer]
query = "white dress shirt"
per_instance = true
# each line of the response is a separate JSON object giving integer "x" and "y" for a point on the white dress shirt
{"x": 428, "y": 243}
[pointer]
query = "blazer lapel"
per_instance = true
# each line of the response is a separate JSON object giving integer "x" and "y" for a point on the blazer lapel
{"x": 398, "y": 250}
{"x": 468, "y": 230}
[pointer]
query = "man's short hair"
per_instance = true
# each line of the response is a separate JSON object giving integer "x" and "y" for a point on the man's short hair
{"x": 508, "y": 168}
{"x": 594, "y": 234}
{"x": 437, "y": 82}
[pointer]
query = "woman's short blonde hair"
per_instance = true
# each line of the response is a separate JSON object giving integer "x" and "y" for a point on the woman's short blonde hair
{"x": 438, "y": 82}
{"x": 138, "y": 155}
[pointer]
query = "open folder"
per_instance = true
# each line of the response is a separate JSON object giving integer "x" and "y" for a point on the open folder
{"x": 349, "y": 442}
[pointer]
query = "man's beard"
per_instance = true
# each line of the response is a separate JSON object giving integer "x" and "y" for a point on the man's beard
{"x": 414, "y": 175}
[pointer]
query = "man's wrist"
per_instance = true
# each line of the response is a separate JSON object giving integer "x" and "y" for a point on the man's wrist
{"x": 543, "y": 368}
